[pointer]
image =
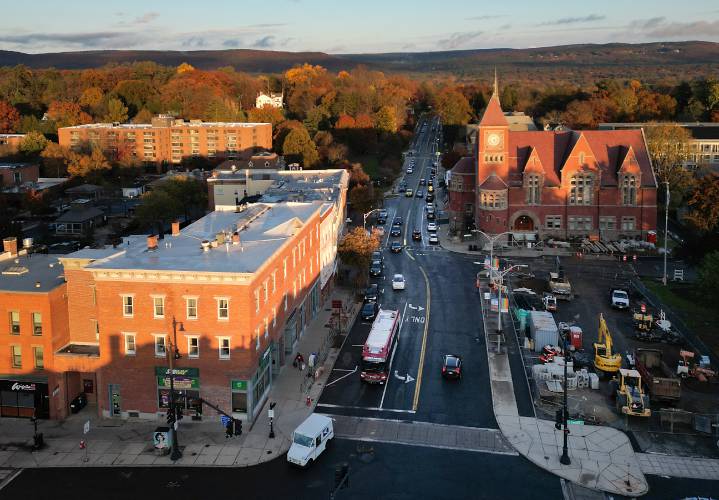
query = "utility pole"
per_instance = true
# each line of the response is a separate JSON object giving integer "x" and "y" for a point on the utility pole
{"x": 666, "y": 232}
{"x": 173, "y": 353}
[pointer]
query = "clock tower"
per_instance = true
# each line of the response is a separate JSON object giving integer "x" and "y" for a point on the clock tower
{"x": 493, "y": 140}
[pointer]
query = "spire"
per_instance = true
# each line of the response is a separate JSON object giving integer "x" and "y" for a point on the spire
{"x": 495, "y": 91}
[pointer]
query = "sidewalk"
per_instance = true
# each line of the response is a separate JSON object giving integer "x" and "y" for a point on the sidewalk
{"x": 126, "y": 443}
{"x": 602, "y": 458}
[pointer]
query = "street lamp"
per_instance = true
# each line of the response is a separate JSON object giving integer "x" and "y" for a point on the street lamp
{"x": 666, "y": 233}
{"x": 364, "y": 217}
{"x": 173, "y": 353}
{"x": 499, "y": 296}
{"x": 491, "y": 239}
{"x": 565, "y": 460}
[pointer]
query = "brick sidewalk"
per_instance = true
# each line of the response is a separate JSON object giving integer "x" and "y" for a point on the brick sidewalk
{"x": 674, "y": 466}
{"x": 125, "y": 443}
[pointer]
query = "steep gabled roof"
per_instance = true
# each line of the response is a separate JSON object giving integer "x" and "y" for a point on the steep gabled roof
{"x": 493, "y": 116}
{"x": 493, "y": 182}
{"x": 465, "y": 165}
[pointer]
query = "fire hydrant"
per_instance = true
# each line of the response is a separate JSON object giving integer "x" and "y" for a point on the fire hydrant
{"x": 309, "y": 401}
{"x": 82, "y": 444}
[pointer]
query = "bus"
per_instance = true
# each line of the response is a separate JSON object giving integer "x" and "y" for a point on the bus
{"x": 377, "y": 350}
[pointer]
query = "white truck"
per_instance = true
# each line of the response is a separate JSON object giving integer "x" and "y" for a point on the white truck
{"x": 310, "y": 439}
{"x": 619, "y": 298}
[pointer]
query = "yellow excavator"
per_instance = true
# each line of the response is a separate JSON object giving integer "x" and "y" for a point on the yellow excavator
{"x": 605, "y": 361}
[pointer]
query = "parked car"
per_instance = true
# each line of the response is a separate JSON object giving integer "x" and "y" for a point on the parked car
{"x": 369, "y": 310}
{"x": 417, "y": 235}
{"x": 78, "y": 403}
{"x": 375, "y": 269}
{"x": 398, "y": 282}
{"x": 432, "y": 227}
{"x": 430, "y": 215}
{"x": 452, "y": 367}
{"x": 371, "y": 294}
{"x": 408, "y": 193}
{"x": 396, "y": 247}
{"x": 430, "y": 197}
{"x": 430, "y": 182}
{"x": 410, "y": 170}
{"x": 398, "y": 221}
{"x": 422, "y": 181}
{"x": 396, "y": 231}
{"x": 420, "y": 193}
{"x": 377, "y": 255}
{"x": 433, "y": 240}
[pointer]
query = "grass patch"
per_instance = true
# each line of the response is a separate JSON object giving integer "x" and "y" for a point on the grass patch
{"x": 688, "y": 302}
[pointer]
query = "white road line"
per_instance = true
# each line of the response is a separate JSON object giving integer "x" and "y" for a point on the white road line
{"x": 427, "y": 445}
{"x": 357, "y": 345}
{"x": 343, "y": 376}
{"x": 368, "y": 408}
{"x": 344, "y": 370}
{"x": 391, "y": 360}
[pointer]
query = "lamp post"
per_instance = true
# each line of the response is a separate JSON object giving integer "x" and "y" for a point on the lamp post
{"x": 173, "y": 353}
{"x": 364, "y": 217}
{"x": 491, "y": 239}
{"x": 499, "y": 297}
{"x": 666, "y": 232}
{"x": 565, "y": 460}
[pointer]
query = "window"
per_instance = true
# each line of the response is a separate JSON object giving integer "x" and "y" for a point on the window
{"x": 267, "y": 330}
{"x": 534, "y": 191}
{"x": 274, "y": 282}
{"x": 257, "y": 300}
{"x": 223, "y": 309}
{"x": 95, "y": 327}
{"x": 37, "y": 355}
{"x": 284, "y": 268}
{"x": 130, "y": 344}
{"x": 193, "y": 347}
{"x": 191, "y": 307}
{"x": 36, "y": 323}
{"x": 607, "y": 223}
{"x": 14, "y": 318}
{"x": 93, "y": 292}
{"x": 628, "y": 224}
{"x": 127, "y": 305}
{"x": 493, "y": 200}
{"x": 629, "y": 190}
{"x": 553, "y": 222}
{"x": 285, "y": 301}
{"x": 158, "y": 307}
{"x": 274, "y": 317}
{"x": 224, "y": 347}
{"x": 266, "y": 290}
{"x": 580, "y": 189}
{"x": 160, "y": 347}
{"x": 16, "y": 354}
{"x": 580, "y": 223}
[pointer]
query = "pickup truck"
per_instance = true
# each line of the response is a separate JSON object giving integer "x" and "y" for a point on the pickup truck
{"x": 559, "y": 286}
{"x": 619, "y": 298}
{"x": 662, "y": 383}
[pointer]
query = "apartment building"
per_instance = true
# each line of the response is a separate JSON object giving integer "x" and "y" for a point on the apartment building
{"x": 169, "y": 140}
{"x": 10, "y": 143}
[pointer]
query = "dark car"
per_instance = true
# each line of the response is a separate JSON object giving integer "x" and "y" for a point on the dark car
{"x": 430, "y": 197}
{"x": 369, "y": 310}
{"x": 419, "y": 193}
{"x": 78, "y": 403}
{"x": 452, "y": 367}
{"x": 381, "y": 220}
{"x": 372, "y": 293}
{"x": 376, "y": 268}
{"x": 396, "y": 247}
{"x": 402, "y": 188}
{"x": 430, "y": 182}
{"x": 377, "y": 255}
{"x": 398, "y": 221}
{"x": 422, "y": 181}
{"x": 417, "y": 235}
{"x": 430, "y": 216}
{"x": 396, "y": 231}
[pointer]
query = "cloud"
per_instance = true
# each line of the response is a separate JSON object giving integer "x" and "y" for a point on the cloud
{"x": 267, "y": 25}
{"x": 265, "y": 42}
{"x": 456, "y": 40}
{"x": 659, "y": 27}
{"x": 482, "y": 18}
{"x": 194, "y": 41}
{"x": 574, "y": 20}
{"x": 232, "y": 44}
{"x": 146, "y": 18}
{"x": 505, "y": 26}
{"x": 647, "y": 24}
{"x": 86, "y": 40}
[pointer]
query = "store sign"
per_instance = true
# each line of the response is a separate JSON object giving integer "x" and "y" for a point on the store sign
{"x": 18, "y": 386}
{"x": 179, "y": 382}
{"x": 163, "y": 371}
{"x": 239, "y": 385}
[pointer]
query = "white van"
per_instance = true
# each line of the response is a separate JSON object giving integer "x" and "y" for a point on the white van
{"x": 310, "y": 439}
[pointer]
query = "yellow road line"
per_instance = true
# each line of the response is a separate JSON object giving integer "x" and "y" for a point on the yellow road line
{"x": 415, "y": 403}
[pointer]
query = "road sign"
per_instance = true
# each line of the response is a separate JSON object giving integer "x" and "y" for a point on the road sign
{"x": 575, "y": 422}
{"x": 86, "y": 427}
{"x": 225, "y": 420}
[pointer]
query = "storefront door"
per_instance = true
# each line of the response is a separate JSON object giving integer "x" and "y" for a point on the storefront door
{"x": 19, "y": 398}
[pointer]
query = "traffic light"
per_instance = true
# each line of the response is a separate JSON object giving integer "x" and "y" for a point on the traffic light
{"x": 170, "y": 416}
{"x": 558, "y": 420}
{"x": 238, "y": 426}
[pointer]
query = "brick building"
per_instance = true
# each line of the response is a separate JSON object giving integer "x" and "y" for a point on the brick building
{"x": 561, "y": 184}
{"x": 10, "y": 143}
{"x": 168, "y": 140}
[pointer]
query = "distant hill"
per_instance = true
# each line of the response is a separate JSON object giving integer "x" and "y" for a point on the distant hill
{"x": 577, "y": 62}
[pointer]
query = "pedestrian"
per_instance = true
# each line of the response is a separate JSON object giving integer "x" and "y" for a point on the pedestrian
{"x": 299, "y": 361}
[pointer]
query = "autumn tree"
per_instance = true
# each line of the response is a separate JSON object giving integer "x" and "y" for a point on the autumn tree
{"x": 266, "y": 114}
{"x": 298, "y": 146}
{"x": 116, "y": 111}
{"x": 33, "y": 143}
{"x": 386, "y": 119}
{"x": 452, "y": 107}
{"x": 143, "y": 116}
{"x": 82, "y": 165}
{"x": 668, "y": 147}
{"x": 92, "y": 99}
{"x": 355, "y": 250}
{"x": 56, "y": 159}
{"x": 67, "y": 114}
{"x": 185, "y": 68}
{"x": 9, "y": 118}
{"x": 704, "y": 203}
{"x": 345, "y": 121}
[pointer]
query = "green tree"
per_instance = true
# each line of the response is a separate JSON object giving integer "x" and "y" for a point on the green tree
{"x": 157, "y": 206}
{"x": 708, "y": 275}
{"x": 704, "y": 203}
{"x": 33, "y": 143}
{"x": 386, "y": 119}
{"x": 668, "y": 147}
{"x": 190, "y": 195}
{"x": 452, "y": 107}
{"x": 116, "y": 111}
{"x": 298, "y": 146}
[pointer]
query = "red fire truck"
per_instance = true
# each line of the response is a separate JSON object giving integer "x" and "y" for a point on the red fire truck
{"x": 377, "y": 351}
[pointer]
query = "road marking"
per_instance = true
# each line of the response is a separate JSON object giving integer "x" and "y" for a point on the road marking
{"x": 357, "y": 345}
{"x": 427, "y": 445}
{"x": 399, "y": 335}
{"x": 344, "y": 369}
{"x": 406, "y": 379}
{"x": 368, "y": 408}
{"x": 417, "y": 388}
{"x": 343, "y": 376}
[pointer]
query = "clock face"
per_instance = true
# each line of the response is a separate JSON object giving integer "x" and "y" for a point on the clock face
{"x": 493, "y": 139}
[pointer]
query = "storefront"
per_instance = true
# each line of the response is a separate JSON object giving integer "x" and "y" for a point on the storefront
{"x": 261, "y": 382}
{"x": 24, "y": 398}
{"x": 239, "y": 398}
{"x": 187, "y": 389}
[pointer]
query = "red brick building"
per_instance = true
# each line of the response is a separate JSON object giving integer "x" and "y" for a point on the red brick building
{"x": 561, "y": 184}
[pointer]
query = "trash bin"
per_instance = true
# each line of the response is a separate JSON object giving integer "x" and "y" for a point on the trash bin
{"x": 162, "y": 440}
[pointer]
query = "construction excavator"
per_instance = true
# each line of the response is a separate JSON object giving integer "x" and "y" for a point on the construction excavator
{"x": 631, "y": 399}
{"x": 605, "y": 361}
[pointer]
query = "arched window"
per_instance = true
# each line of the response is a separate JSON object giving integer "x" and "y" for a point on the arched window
{"x": 629, "y": 190}
{"x": 534, "y": 190}
{"x": 580, "y": 189}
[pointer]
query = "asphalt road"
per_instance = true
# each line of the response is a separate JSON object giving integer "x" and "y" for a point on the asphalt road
{"x": 387, "y": 472}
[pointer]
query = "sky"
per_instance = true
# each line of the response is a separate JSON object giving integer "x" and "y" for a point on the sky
{"x": 337, "y": 26}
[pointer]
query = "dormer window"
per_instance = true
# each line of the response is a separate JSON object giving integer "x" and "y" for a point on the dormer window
{"x": 534, "y": 189}
{"x": 580, "y": 189}
{"x": 629, "y": 190}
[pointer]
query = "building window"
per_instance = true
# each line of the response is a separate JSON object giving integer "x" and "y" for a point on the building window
{"x": 580, "y": 223}
{"x": 274, "y": 282}
{"x": 16, "y": 354}
{"x": 36, "y": 323}
{"x": 95, "y": 327}
{"x": 191, "y": 308}
{"x": 266, "y": 290}
{"x": 224, "y": 347}
{"x": 580, "y": 189}
{"x": 534, "y": 191}
{"x": 274, "y": 317}
{"x": 267, "y": 329}
{"x": 128, "y": 305}
{"x": 493, "y": 200}
{"x": 223, "y": 309}
{"x": 628, "y": 224}
{"x": 553, "y": 222}
{"x": 130, "y": 346}
{"x": 607, "y": 223}
{"x": 193, "y": 347}
{"x": 37, "y": 354}
{"x": 629, "y": 190}
{"x": 285, "y": 301}
{"x": 14, "y": 319}
{"x": 158, "y": 307}
{"x": 160, "y": 347}
{"x": 93, "y": 291}
{"x": 257, "y": 300}
{"x": 284, "y": 268}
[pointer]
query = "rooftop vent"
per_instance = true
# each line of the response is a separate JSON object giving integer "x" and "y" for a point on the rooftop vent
{"x": 205, "y": 245}
{"x": 15, "y": 271}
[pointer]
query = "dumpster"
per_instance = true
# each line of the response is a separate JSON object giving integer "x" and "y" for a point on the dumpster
{"x": 543, "y": 329}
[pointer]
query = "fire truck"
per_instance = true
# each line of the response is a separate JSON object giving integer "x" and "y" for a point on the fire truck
{"x": 377, "y": 350}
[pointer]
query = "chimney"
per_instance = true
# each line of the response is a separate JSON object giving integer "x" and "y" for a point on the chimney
{"x": 10, "y": 245}
{"x": 152, "y": 242}
{"x": 176, "y": 228}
